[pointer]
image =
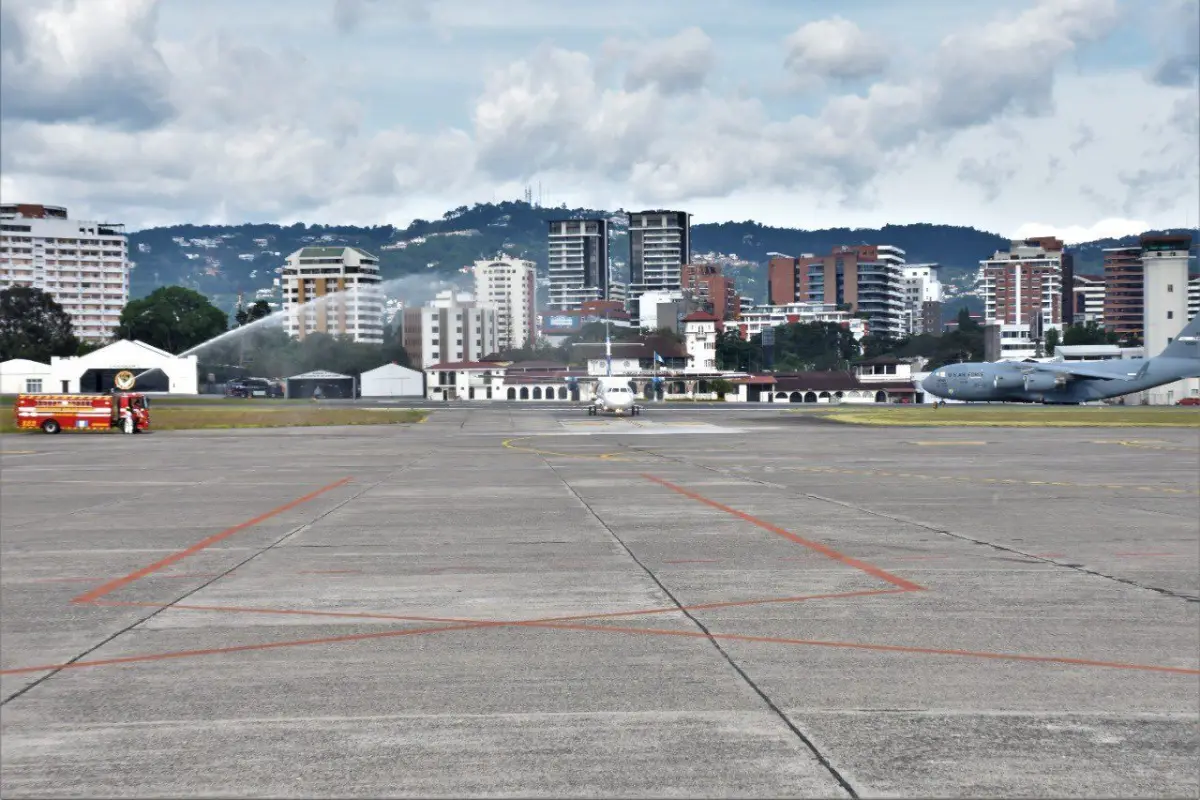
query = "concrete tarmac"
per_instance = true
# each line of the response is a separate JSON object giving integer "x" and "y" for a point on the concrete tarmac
{"x": 540, "y": 603}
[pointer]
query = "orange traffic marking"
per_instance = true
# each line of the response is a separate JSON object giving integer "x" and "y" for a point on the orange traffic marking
{"x": 355, "y": 637}
{"x": 829, "y": 552}
{"x": 113, "y": 585}
{"x": 887, "y": 648}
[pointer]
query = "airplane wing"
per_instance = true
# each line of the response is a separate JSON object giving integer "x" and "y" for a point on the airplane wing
{"x": 1083, "y": 371}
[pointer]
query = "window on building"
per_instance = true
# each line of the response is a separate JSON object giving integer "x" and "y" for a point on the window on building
{"x": 1170, "y": 315}
{"x": 33, "y": 385}
{"x": 1170, "y": 287}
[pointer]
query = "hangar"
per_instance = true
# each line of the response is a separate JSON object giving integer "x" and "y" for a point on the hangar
{"x": 158, "y": 371}
{"x": 392, "y": 380}
{"x": 20, "y": 375}
{"x": 331, "y": 384}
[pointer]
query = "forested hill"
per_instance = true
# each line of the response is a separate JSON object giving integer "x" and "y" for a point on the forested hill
{"x": 221, "y": 261}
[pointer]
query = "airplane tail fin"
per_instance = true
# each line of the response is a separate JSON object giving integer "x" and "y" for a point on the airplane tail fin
{"x": 1186, "y": 343}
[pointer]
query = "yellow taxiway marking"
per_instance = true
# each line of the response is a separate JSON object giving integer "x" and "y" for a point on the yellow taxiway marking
{"x": 18, "y": 452}
{"x": 509, "y": 443}
{"x": 1007, "y": 481}
{"x": 1146, "y": 444}
{"x": 936, "y": 444}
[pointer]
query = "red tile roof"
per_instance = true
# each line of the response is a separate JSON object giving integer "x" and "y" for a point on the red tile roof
{"x": 463, "y": 366}
{"x": 667, "y": 348}
{"x": 700, "y": 316}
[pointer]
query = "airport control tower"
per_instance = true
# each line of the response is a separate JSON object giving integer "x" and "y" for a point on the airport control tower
{"x": 1165, "y": 260}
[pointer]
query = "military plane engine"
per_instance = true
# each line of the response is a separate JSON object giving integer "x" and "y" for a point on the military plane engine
{"x": 1043, "y": 382}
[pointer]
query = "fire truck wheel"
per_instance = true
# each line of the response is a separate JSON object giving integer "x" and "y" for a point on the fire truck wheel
{"x": 51, "y": 426}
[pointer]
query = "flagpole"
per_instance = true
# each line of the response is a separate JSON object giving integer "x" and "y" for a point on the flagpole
{"x": 607, "y": 347}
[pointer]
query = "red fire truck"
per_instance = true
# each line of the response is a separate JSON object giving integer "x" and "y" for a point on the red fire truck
{"x": 125, "y": 411}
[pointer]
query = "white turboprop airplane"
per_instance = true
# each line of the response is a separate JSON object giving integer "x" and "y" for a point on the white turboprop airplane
{"x": 613, "y": 394}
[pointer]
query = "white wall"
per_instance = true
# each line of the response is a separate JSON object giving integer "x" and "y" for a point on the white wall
{"x": 1165, "y": 313}
{"x": 16, "y": 374}
{"x": 392, "y": 380}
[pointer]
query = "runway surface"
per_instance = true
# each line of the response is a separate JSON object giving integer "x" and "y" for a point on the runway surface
{"x": 539, "y": 603}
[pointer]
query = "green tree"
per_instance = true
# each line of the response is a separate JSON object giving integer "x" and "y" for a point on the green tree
{"x": 1051, "y": 341}
{"x": 34, "y": 326}
{"x": 244, "y": 316}
{"x": 736, "y": 353}
{"x": 1088, "y": 333}
{"x": 815, "y": 345}
{"x": 722, "y": 387}
{"x": 172, "y": 318}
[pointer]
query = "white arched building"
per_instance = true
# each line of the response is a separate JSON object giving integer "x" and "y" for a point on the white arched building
{"x": 157, "y": 370}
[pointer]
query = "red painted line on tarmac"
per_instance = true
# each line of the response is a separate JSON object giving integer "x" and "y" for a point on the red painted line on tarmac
{"x": 886, "y": 648}
{"x": 97, "y": 580}
{"x": 870, "y": 569}
{"x": 356, "y": 637}
{"x": 113, "y": 585}
{"x": 452, "y": 624}
{"x": 1149, "y": 555}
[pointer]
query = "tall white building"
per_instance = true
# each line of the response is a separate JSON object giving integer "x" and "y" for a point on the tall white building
{"x": 577, "y": 263}
{"x": 453, "y": 328}
{"x": 1022, "y": 282}
{"x": 923, "y": 295}
{"x": 1089, "y": 299}
{"x": 333, "y": 290}
{"x": 648, "y": 304}
{"x": 84, "y": 266}
{"x": 507, "y": 285}
{"x": 1165, "y": 297}
{"x": 660, "y": 243}
{"x": 700, "y": 339}
{"x": 1193, "y": 297}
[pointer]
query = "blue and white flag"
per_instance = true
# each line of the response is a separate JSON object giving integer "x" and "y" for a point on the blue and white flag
{"x": 658, "y": 358}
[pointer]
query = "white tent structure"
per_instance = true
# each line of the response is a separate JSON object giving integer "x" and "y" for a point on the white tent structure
{"x": 393, "y": 380}
{"x": 157, "y": 370}
{"x": 20, "y": 375}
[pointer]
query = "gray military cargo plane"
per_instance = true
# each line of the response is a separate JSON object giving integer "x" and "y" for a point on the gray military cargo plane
{"x": 1066, "y": 382}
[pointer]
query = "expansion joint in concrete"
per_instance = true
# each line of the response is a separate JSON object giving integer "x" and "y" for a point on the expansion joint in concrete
{"x": 806, "y": 740}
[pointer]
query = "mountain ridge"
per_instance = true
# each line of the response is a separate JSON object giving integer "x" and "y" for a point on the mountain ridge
{"x": 223, "y": 260}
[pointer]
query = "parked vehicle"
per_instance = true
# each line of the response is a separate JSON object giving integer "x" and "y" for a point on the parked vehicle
{"x": 124, "y": 411}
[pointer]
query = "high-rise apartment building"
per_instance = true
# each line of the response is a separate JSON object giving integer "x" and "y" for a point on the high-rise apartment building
{"x": 452, "y": 328}
{"x": 660, "y": 243}
{"x": 1165, "y": 291}
{"x": 84, "y": 266}
{"x": 577, "y": 262}
{"x": 333, "y": 290}
{"x": 784, "y": 279}
{"x": 866, "y": 280}
{"x": 711, "y": 289}
{"x": 1089, "y": 299}
{"x": 1123, "y": 308}
{"x": 507, "y": 285}
{"x": 1023, "y": 283}
{"x": 923, "y": 295}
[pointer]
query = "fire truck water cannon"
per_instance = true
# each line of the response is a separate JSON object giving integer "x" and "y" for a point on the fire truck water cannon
{"x": 120, "y": 410}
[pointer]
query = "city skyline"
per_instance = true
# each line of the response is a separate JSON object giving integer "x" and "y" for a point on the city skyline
{"x": 997, "y": 116}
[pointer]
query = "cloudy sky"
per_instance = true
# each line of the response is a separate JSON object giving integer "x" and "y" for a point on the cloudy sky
{"x": 1076, "y": 117}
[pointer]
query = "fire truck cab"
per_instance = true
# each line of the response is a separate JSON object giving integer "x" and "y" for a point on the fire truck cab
{"x": 125, "y": 411}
